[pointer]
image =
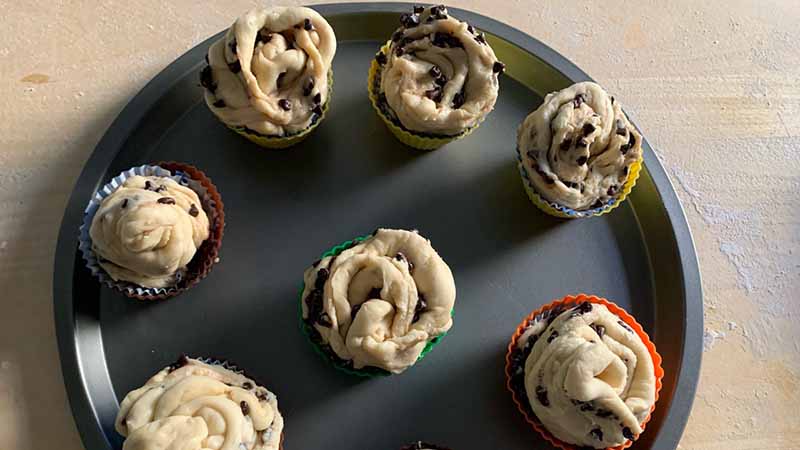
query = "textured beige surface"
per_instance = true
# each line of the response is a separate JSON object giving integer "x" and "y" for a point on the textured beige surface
{"x": 715, "y": 87}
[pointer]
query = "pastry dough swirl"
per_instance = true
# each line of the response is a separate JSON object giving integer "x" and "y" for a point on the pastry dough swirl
{"x": 589, "y": 377}
{"x": 440, "y": 76}
{"x": 148, "y": 230}
{"x": 379, "y": 302}
{"x": 269, "y": 73}
{"x": 193, "y": 405}
{"x": 578, "y": 146}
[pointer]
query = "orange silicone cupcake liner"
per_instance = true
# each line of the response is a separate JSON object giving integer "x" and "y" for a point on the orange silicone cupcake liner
{"x": 571, "y": 300}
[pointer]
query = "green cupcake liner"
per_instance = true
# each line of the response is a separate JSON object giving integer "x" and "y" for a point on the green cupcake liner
{"x": 329, "y": 356}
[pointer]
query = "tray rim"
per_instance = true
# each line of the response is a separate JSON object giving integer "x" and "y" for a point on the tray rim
{"x": 68, "y": 324}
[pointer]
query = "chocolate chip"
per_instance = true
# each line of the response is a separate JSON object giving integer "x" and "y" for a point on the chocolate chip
{"x": 611, "y": 190}
{"x": 565, "y": 144}
{"x": 322, "y": 277}
{"x": 434, "y": 94}
{"x": 206, "y": 58}
{"x": 317, "y": 99}
{"x": 399, "y": 51}
{"x": 263, "y": 36}
{"x": 603, "y": 413}
{"x": 498, "y": 67}
{"x": 481, "y": 38}
{"x": 325, "y": 320}
{"x": 355, "y": 311}
{"x": 541, "y": 395}
{"x": 161, "y": 188}
{"x": 625, "y": 170}
{"x": 597, "y": 204}
{"x": 570, "y": 184}
{"x": 439, "y": 12}
{"x": 549, "y": 180}
{"x": 552, "y": 336}
{"x": 219, "y": 103}
{"x": 588, "y": 129}
{"x": 445, "y": 40}
{"x": 597, "y": 433}
{"x": 232, "y": 45}
{"x": 317, "y": 110}
{"x": 471, "y": 29}
{"x": 285, "y": 104}
{"x": 245, "y": 408}
{"x": 247, "y": 385}
{"x": 166, "y": 201}
{"x": 193, "y": 211}
{"x": 581, "y": 161}
{"x": 625, "y": 325}
{"x": 458, "y": 100}
{"x": 599, "y": 329}
{"x": 612, "y": 99}
{"x": 418, "y": 9}
{"x": 409, "y": 20}
{"x": 400, "y": 256}
{"x": 627, "y": 433}
{"x": 583, "y": 308}
{"x": 124, "y": 204}
{"x": 441, "y": 81}
{"x": 578, "y": 100}
{"x": 380, "y": 58}
{"x": 582, "y": 143}
{"x": 397, "y": 35}
{"x": 235, "y": 66}
{"x": 307, "y": 25}
{"x": 435, "y": 72}
{"x": 586, "y": 406}
{"x": 207, "y": 79}
{"x": 262, "y": 396}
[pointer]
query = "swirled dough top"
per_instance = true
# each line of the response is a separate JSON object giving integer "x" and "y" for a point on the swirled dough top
{"x": 440, "y": 76}
{"x": 380, "y": 302}
{"x": 270, "y": 71}
{"x": 578, "y": 146}
{"x": 589, "y": 377}
{"x": 148, "y": 230}
{"x": 200, "y": 406}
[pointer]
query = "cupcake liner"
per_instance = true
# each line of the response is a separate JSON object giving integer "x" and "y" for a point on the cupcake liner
{"x": 556, "y": 210}
{"x": 282, "y": 142}
{"x": 328, "y": 354}
{"x": 567, "y": 302}
{"x": 419, "y": 141}
{"x": 205, "y": 258}
{"x": 214, "y": 361}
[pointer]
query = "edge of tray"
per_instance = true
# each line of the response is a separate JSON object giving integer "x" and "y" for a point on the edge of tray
{"x": 73, "y": 323}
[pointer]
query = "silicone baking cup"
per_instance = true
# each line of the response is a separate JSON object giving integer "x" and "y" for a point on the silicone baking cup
{"x": 205, "y": 258}
{"x": 282, "y": 142}
{"x": 568, "y": 302}
{"x": 326, "y": 353}
{"x": 554, "y": 209}
{"x": 410, "y": 138}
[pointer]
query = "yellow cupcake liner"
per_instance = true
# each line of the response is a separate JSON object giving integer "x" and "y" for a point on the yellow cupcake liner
{"x": 418, "y": 141}
{"x": 281, "y": 142}
{"x": 556, "y": 210}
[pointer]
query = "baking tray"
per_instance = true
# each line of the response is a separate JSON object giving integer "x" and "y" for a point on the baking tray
{"x": 284, "y": 208}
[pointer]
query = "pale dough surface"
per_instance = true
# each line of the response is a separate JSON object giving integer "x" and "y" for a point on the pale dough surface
{"x": 578, "y": 146}
{"x": 468, "y": 70}
{"x": 272, "y": 55}
{"x": 148, "y": 230}
{"x": 200, "y": 406}
{"x": 588, "y": 377}
{"x": 371, "y": 296}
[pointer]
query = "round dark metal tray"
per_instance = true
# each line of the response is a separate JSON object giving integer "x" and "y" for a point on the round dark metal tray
{"x": 284, "y": 208}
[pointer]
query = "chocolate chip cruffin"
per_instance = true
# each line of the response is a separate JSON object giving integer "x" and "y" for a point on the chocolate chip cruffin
{"x": 580, "y": 370}
{"x": 196, "y": 404}
{"x": 269, "y": 78}
{"x": 376, "y": 305}
{"x": 153, "y": 231}
{"x": 578, "y": 153}
{"x": 435, "y": 80}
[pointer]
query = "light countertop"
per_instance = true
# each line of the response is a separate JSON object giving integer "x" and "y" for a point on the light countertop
{"x": 715, "y": 87}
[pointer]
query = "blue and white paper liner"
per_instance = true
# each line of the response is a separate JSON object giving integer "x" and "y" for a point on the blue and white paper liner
{"x": 85, "y": 240}
{"x": 554, "y": 209}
